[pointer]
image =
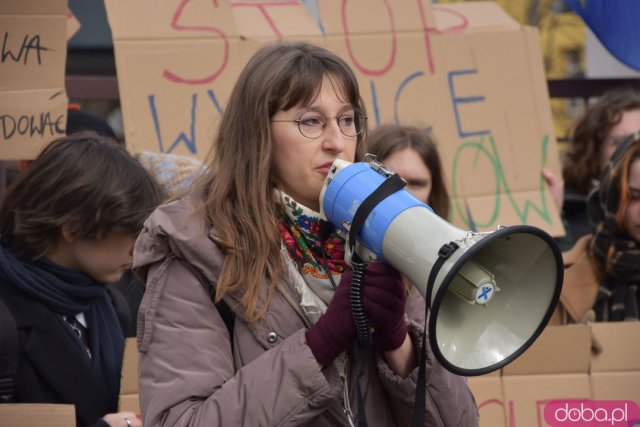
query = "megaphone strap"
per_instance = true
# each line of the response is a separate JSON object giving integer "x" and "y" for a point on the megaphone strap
{"x": 384, "y": 190}
{"x": 420, "y": 401}
{"x": 445, "y": 252}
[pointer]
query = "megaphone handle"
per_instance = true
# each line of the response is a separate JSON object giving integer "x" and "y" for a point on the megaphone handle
{"x": 357, "y": 301}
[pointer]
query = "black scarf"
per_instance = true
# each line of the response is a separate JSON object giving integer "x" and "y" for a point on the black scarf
{"x": 69, "y": 292}
{"x": 615, "y": 251}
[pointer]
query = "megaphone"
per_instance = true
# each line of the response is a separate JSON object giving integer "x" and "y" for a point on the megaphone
{"x": 490, "y": 294}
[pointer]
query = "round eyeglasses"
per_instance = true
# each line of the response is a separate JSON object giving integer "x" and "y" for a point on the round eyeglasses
{"x": 312, "y": 124}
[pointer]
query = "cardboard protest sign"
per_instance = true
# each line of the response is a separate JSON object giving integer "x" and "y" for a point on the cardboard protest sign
{"x": 33, "y": 101}
{"x": 489, "y": 396}
{"x": 129, "y": 399}
{"x": 555, "y": 367}
{"x": 73, "y": 25}
{"x": 467, "y": 71}
{"x": 37, "y": 415}
{"x": 615, "y": 371}
{"x": 562, "y": 366}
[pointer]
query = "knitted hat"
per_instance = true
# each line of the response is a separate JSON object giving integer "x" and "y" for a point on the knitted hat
{"x": 174, "y": 172}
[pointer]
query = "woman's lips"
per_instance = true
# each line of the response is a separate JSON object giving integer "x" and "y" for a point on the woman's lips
{"x": 324, "y": 168}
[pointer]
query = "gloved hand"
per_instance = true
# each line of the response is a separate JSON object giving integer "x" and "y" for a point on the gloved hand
{"x": 385, "y": 298}
{"x": 335, "y": 330}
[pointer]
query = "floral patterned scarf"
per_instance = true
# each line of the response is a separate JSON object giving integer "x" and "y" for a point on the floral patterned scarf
{"x": 300, "y": 232}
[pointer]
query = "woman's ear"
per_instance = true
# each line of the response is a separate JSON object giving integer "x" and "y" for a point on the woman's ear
{"x": 66, "y": 233}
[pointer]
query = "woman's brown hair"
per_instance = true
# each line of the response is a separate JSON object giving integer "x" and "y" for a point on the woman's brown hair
{"x": 388, "y": 139}
{"x": 582, "y": 160}
{"x": 85, "y": 181}
{"x": 239, "y": 201}
{"x": 610, "y": 202}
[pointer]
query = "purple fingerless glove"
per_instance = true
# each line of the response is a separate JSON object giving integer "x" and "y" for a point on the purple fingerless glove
{"x": 335, "y": 330}
{"x": 385, "y": 298}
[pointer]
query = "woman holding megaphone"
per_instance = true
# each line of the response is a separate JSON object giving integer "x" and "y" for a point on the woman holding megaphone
{"x": 274, "y": 344}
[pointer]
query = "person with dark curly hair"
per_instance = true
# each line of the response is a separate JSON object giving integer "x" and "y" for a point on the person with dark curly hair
{"x": 595, "y": 136}
{"x": 602, "y": 270}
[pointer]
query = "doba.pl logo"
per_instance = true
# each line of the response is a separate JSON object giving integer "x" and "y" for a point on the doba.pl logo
{"x": 592, "y": 413}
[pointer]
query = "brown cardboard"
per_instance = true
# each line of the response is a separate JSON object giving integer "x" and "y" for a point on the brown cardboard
{"x": 129, "y": 402}
{"x": 615, "y": 385}
{"x": 129, "y": 381}
{"x": 479, "y": 16}
{"x": 468, "y": 71}
{"x": 73, "y": 25}
{"x": 43, "y": 8}
{"x": 556, "y": 366}
{"x": 35, "y": 51}
{"x": 338, "y": 19}
{"x": 615, "y": 370}
{"x": 30, "y": 119}
{"x": 558, "y": 350}
{"x": 487, "y": 390}
{"x": 620, "y": 344}
{"x": 527, "y": 395}
{"x": 149, "y": 20}
{"x": 37, "y": 415}
{"x": 32, "y": 65}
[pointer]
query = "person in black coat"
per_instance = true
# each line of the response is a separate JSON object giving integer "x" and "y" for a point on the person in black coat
{"x": 67, "y": 228}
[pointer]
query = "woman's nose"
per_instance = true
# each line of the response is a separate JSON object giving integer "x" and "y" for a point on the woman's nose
{"x": 334, "y": 139}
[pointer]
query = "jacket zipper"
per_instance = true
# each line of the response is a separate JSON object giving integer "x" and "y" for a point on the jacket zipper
{"x": 346, "y": 405}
